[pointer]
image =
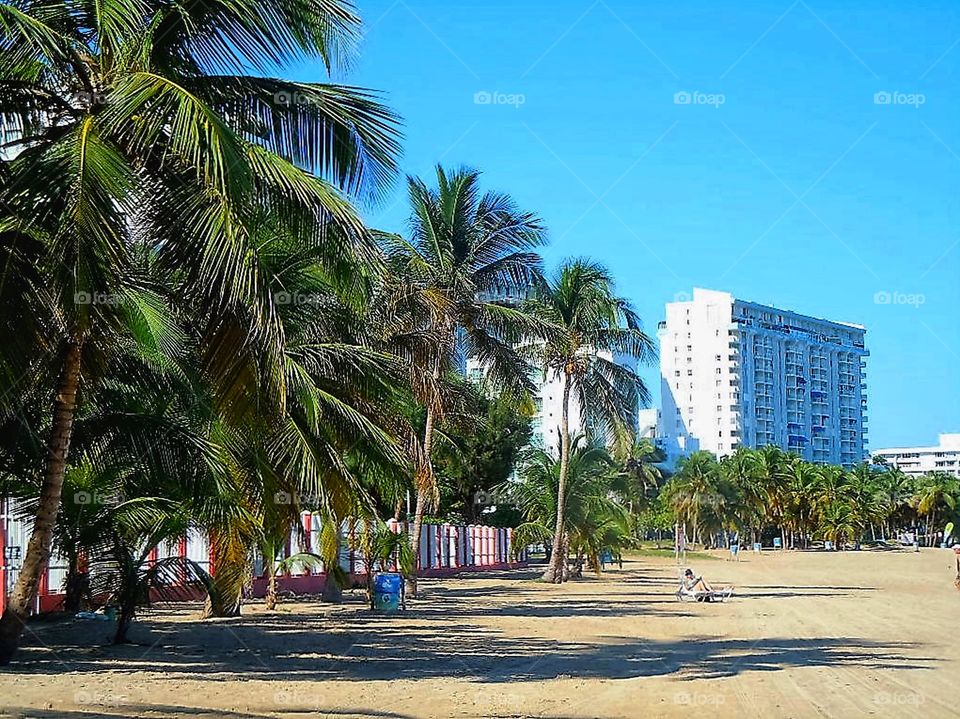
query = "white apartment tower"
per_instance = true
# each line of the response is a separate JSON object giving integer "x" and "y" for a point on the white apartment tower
{"x": 943, "y": 457}
{"x": 738, "y": 373}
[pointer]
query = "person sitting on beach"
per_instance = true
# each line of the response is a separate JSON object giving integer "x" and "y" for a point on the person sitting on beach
{"x": 695, "y": 584}
{"x": 701, "y": 588}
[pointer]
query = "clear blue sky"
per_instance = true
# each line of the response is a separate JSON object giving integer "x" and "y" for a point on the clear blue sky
{"x": 799, "y": 190}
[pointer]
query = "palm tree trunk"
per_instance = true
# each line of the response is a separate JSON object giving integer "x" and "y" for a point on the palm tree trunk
{"x": 423, "y": 495}
{"x": 37, "y": 557}
{"x": 124, "y": 620}
{"x": 332, "y": 591}
{"x": 270, "y": 601}
{"x": 558, "y": 558}
{"x": 75, "y": 586}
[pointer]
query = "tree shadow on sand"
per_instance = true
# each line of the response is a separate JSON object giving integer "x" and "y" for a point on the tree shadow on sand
{"x": 445, "y": 635}
{"x": 303, "y": 647}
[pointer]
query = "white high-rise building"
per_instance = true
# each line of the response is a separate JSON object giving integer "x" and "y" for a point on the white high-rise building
{"x": 944, "y": 457}
{"x": 739, "y": 373}
{"x": 549, "y": 404}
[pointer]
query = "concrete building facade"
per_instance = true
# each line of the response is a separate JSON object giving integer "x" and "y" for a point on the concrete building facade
{"x": 942, "y": 457}
{"x": 739, "y": 373}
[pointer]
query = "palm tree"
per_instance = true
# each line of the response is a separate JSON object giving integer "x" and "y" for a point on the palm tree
{"x": 799, "y": 479}
{"x": 896, "y": 488}
{"x": 593, "y": 519}
{"x": 938, "y": 494}
{"x": 137, "y": 128}
{"x": 866, "y": 497}
{"x": 641, "y": 476}
{"x": 768, "y": 466}
{"x": 590, "y": 329}
{"x": 699, "y": 495}
{"x": 469, "y": 253}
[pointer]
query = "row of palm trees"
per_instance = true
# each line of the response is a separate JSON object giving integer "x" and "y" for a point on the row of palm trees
{"x": 604, "y": 492}
{"x": 198, "y": 329}
{"x": 752, "y": 490}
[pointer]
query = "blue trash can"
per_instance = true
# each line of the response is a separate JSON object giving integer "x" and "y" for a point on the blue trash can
{"x": 386, "y": 591}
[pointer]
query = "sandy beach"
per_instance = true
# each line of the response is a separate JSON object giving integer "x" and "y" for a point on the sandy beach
{"x": 807, "y": 634}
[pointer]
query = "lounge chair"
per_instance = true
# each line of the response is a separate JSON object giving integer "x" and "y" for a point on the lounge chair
{"x": 701, "y": 595}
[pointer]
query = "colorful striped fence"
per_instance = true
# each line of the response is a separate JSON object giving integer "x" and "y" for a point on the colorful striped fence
{"x": 445, "y": 549}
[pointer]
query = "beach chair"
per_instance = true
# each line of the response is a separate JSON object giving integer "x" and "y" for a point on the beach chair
{"x": 700, "y": 595}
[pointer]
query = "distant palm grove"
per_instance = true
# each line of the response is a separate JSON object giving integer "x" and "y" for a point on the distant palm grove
{"x": 768, "y": 493}
{"x": 200, "y": 331}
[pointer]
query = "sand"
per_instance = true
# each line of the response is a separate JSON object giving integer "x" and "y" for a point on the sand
{"x": 808, "y": 634}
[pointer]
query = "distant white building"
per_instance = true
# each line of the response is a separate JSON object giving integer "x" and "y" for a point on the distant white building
{"x": 549, "y": 399}
{"x": 648, "y": 423}
{"x": 943, "y": 457}
{"x": 739, "y": 373}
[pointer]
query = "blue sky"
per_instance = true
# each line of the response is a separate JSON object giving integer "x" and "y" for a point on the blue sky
{"x": 785, "y": 180}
